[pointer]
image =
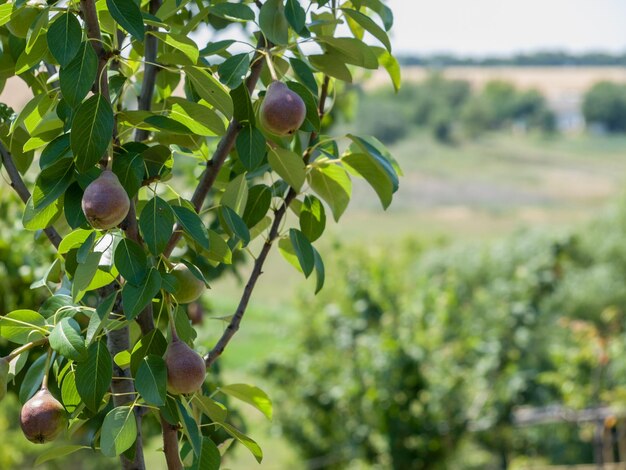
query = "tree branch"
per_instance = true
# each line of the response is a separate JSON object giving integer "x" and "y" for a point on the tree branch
{"x": 22, "y": 191}
{"x": 224, "y": 147}
{"x": 90, "y": 15}
{"x": 170, "y": 445}
{"x": 257, "y": 269}
{"x": 150, "y": 71}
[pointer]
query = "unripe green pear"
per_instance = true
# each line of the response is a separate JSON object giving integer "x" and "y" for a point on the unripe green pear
{"x": 282, "y": 111}
{"x": 105, "y": 202}
{"x": 43, "y": 418}
{"x": 189, "y": 288}
{"x": 186, "y": 369}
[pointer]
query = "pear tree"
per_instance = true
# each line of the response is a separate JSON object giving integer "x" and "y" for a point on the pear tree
{"x": 162, "y": 140}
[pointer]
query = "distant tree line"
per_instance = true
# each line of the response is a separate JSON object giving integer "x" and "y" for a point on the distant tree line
{"x": 604, "y": 106}
{"x": 451, "y": 110}
{"x": 537, "y": 59}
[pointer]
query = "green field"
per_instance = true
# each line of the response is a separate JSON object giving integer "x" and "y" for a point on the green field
{"x": 476, "y": 190}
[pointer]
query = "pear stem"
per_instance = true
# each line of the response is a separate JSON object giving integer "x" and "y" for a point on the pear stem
{"x": 270, "y": 65}
{"x": 170, "y": 314}
{"x": 46, "y": 367}
{"x": 25, "y": 347}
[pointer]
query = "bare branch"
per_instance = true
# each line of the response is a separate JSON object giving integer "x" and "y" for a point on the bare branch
{"x": 224, "y": 147}
{"x": 22, "y": 191}
{"x": 257, "y": 269}
{"x": 170, "y": 445}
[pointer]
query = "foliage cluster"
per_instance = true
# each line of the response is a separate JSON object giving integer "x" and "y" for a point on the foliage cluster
{"x": 420, "y": 358}
{"x": 450, "y": 109}
{"x": 604, "y": 105}
{"x": 123, "y": 99}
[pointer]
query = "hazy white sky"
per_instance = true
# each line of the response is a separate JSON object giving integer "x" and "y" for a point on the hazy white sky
{"x": 479, "y": 27}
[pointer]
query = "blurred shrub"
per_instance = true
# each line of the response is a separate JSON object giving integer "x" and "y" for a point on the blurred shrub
{"x": 605, "y": 105}
{"x": 411, "y": 357}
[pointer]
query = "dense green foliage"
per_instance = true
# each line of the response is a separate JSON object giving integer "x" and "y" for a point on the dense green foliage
{"x": 450, "y": 110}
{"x": 419, "y": 358}
{"x": 125, "y": 102}
{"x": 605, "y": 105}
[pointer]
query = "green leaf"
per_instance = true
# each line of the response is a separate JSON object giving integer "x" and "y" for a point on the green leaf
{"x": 312, "y": 218}
{"x": 312, "y": 119}
{"x": 64, "y": 36}
{"x": 243, "y": 110}
{"x": 333, "y": 185}
{"x": 369, "y": 25}
{"x": 303, "y": 250}
{"x": 295, "y": 14}
{"x": 252, "y": 395}
{"x": 56, "y": 150}
{"x": 52, "y": 304}
{"x": 65, "y": 338}
{"x": 156, "y": 223}
{"x": 84, "y": 274}
{"x": 353, "y": 51}
{"x": 128, "y": 16}
{"x": 236, "y": 194}
{"x": 289, "y": 166}
{"x": 209, "y": 458}
{"x": 198, "y": 118}
{"x": 369, "y": 168}
{"x": 391, "y": 65}
{"x": 377, "y": 151}
{"x": 91, "y": 131}
{"x": 37, "y": 219}
{"x": 33, "y": 378}
{"x": 236, "y": 225}
{"x": 304, "y": 75}
{"x": 247, "y": 442}
{"x": 319, "y": 271}
{"x": 385, "y": 13}
{"x": 210, "y": 90}
{"x": 233, "y": 11}
{"x": 181, "y": 43}
{"x": 69, "y": 395}
{"x": 52, "y": 183}
{"x": 259, "y": 201}
{"x": 73, "y": 240}
{"x": 22, "y": 326}
{"x": 136, "y": 298}
{"x": 233, "y": 70}
{"x": 273, "y": 23}
{"x": 190, "y": 428}
{"x": 93, "y": 376}
{"x": 119, "y": 430}
{"x": 76, "y": 79}
{"x": 220, "y": 251}
{"x": 6, "y": 11}
{"x": 57, "y": 452}
{"x": 131, "y": 261}
{"x": 166, "y": 124}
{"x": 331, "y": 64}
{"x": 192, "y": 224}
{"x": 28, "y": 60}
{"x": 129, "y": 168}
{"x": 213, "y": 409}
{"x": 250, "y": 145}
{"x": 152, "y": 343}
{"x": 151, "y": 380}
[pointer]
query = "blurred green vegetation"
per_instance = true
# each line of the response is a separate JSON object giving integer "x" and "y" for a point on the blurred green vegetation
{"x": 605, "y": 105}
{"x": 451, "y": 110}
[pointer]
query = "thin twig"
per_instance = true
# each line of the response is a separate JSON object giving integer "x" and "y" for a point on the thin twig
{"x": 224, "y": 147}
{"x": 257, "y": 269}
{"x": 22, "y": 191}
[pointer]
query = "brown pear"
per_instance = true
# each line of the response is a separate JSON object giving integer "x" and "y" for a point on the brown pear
{"x": 186, "y": 370}
{"x": 105, "y": 202}
{"x": 189, "y": 288}
{"x": 282, "y": 111}
{"x": 43, "y": 418}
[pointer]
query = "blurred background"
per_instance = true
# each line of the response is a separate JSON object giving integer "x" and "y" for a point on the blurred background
{"x": 479, "y": 322}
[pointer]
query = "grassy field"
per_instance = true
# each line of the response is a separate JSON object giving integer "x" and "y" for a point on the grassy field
{"x": 482, "y": 189}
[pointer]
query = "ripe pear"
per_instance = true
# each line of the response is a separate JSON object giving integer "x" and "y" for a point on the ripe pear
{"x": 189, "y": 288}
{"x": 105, "y": 202}
{"x": 282, "y": 111}
{"x": 43, "y": 418}
{"x": 186, "y": 370}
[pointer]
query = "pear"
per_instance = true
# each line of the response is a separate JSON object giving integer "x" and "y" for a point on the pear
{"x": 105, "y": 202}
{"x": 189, "y": 288}
{"x": 186, "y": 369}
{"x": 282, "y": 111}
{"x": 43, "y": 418}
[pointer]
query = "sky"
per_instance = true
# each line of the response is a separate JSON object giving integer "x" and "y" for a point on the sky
{"x": 500, "y": 27}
